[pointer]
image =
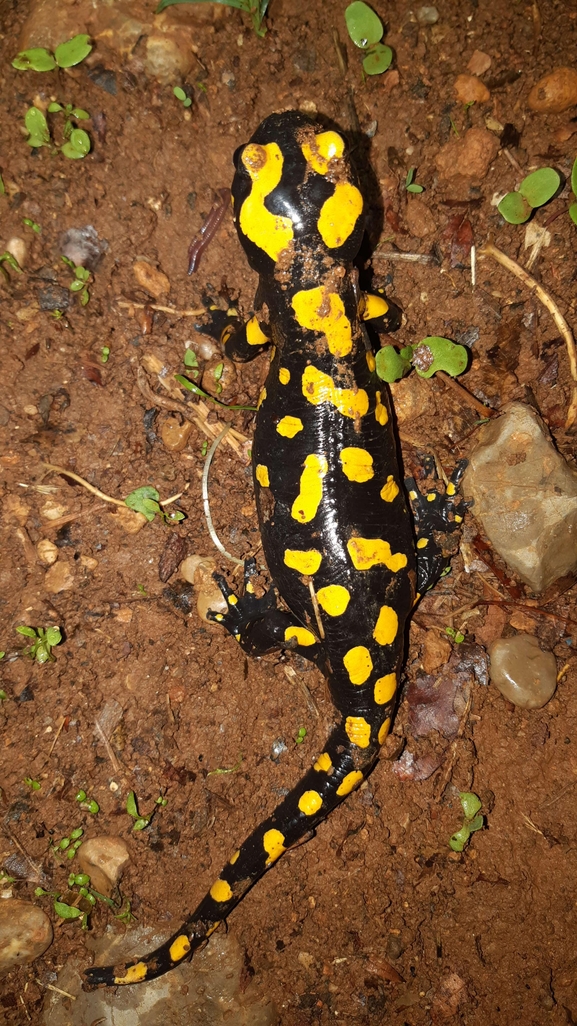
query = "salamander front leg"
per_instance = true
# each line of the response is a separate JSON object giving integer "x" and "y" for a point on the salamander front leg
{"x": 438, "y": 516}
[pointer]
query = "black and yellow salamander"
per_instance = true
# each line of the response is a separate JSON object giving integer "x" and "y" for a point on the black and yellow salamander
{"x": 345, "y": 554}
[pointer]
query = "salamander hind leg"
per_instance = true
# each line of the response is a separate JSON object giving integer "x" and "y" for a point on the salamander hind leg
{"x": 438, "y": 516}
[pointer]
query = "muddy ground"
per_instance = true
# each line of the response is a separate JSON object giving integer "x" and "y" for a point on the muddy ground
{"x": 374, "y": 920}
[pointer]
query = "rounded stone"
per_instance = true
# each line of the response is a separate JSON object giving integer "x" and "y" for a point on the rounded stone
{"x": 25, "y": 933}
{"x": 522, "y": 671}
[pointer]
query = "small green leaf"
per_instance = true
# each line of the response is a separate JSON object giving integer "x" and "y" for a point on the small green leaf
{"x": 53, "y": 108}
{"x": 514, "y": 208}
{"x": 81, "y": 879}
{"x": 435, "y": 353}
{"x": 42, "y": 653}
{"x": 2, "y": 187}
{"x": 35, "y": 59}
{"x": 141, "y": 823}
{"x": 81, "y": 273}
{"x": 187, "y": 102}
{"x": 53, "y": 636}
{"x": 105, "y": 354}
{"x": 131, "y": 806}
{"x": 80, "y": 140}
{"x": 179, "y": 93}
{"x": 364, "y": 26}
{"x": 414, "y": 188}
{"x": 80, "y": 796}
{"x": 477, "y": 823}
{"x": 71, "y": 53}
{"x": 81, "y": 115}
{"x": 138, "y": 500}
{"x": 93, "y": 807}
{"x": 76, "y": 833}
{"x": 28, "y": 632}
{"x": 84, "y": 298}
{"x": 67, "y": 911}
{"x": 190, "y": 358}
{"x": 471, "y": 803}
{"x": 390, "y": 365}
{"x": 3, "y": 695}
{"x": 76, "y": 286}
{"x": 69, "y": 263}
{"x": 37, "y": 126}
{"x": 378, "y": 59}
{"x": 460, "y": 838}
{"x": 32, "y": 224}
{"x": 540, "y": 186}
{"x": 574, "y": 177}
{"x": 573, "y": 212}
{"x": 218, "y": 371}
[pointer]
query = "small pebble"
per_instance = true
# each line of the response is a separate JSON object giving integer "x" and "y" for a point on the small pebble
{"x": 523, "y": 673}
{"x": 47, "y": 551}
{"x": 151, "y": 279}
{"x": 88, "y": 562}
{"x": 555, "y": 92}
{"x": 104, "y": 859}
{"x": 25, "y": 933}
{"x": 470, "y": 89}
{"x": 480, "y": 63}
{"x": 219, "y": 378}
{"x": 419, "y": 218}
{"x": 427, "y": 15}
{"x": 129, "y": 520}
{"x": 175, "y": 435}
{"x": 18, "y": 249}
{"x": 198, "y": 570}
{"x": 470, "y": 155}
{"x": 58, "y": 578}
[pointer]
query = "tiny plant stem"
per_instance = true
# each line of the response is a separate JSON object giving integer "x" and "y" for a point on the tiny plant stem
{"x": 465, "y": 395}
{"x": 490, "y": 250}
{"x": 316, "y": 609}
{"x": 205, "y": 501}
{"x": 163, "y": 309}
{"x": 85, "y": 484}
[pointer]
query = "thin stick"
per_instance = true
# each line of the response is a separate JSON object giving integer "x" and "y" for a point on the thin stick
{"x": 317, "y": 611}
{"x": 466, "y": 396}
{"x": 163, "y": 309}
{"x": 58, "y": 733}
{"x": 548, "y": 302}
{"x": 84, "y": 483}
{"x": 411, "y": 258}
{"x": 473, "y": 266}
{"x": 205, "y": 501}
{"x": 50, "y": 986}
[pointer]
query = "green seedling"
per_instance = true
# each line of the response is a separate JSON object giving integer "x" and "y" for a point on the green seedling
{"x": 68, "y": 846}
{"x": 226, "y": 769}
{"x": 87, "y": 803}
{"x": 77, "y": 143}
{"x": 366, "y": 31}
{"x": 146, "y": 500}
{"x": 471, "y": 805}
{"x": 256, "y": 9}
{"x": 2, "y": 187}
{"x": 191, "y": 387}
{"x": 65, "y": 56}
{"x": 141, "y": 822}
{"x": 80, "y": 280}
{"x": 573, "y": 207}
{"x": 534, "y": 191}
{"x": 190, "y": 360}
{"x": 7, "y": 260}
{"x": 457, "y": 636}
{"x": 32, "y": 224}
{"x": 5, "y": 879}
{"x": 204, "y": 448}
{"x": 126, "y": 916}
{"x": 432, "y": 354}
{"x": 34, "y": 785}
{"x": 3, "y": 695}
{"x": 105, "y": 354}
{"x": 302, "y": 733}
{"x": 44, "y": 640}
{"x": 181, "y": 95}
{"x": 410, "y": 184}
{"x": 37, "y": 128}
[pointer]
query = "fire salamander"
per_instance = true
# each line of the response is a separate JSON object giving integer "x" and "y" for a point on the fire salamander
{"x": 344, "y": 552}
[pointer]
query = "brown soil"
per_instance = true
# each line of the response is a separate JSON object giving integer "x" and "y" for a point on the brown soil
{"x": 375, "y": 919}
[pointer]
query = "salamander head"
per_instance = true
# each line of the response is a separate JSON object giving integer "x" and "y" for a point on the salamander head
{"x": 296, "y": 195}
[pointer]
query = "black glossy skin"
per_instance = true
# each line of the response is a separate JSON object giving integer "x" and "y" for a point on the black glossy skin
{"x": 348, "y": 509}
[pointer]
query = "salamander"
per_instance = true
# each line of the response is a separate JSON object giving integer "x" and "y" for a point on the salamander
{"x": 345, "y": 553}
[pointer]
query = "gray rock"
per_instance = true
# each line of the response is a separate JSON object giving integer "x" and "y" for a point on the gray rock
{"x": 525, "y": 497}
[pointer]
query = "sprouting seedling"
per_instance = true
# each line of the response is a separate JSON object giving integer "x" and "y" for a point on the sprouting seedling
{"x": 471, "y": 805}
{"x": 105, "y": 354}
{"x": 37, "y": 127}
{"x": 220, "y": 770}
{"x": 65, "y": 56}
{"x": 146, "y": 500}
{"x": 87, "y": 803}
{"x": 43, "y": 640}
{"x": 302, "y": 733}
{"x": 77, "y": 143}
{"x": 34, "y": 785}
{"x": 80, "y": 280}
{"x": 457, "y": 636}
{"x": 205, "y": 395}
{"x": 190, "y": 360}
{"x": 141, "y": 822}
{"x": 432, "y": 354}
{"x": 366, "y": 31}
{"x": 256, "y": 9}
{"x": 573, "y": 207}
{"x": 410, "y": 184}
{"x": 125, "y": 916}
{"x": 7, "y": 259}
{"x": 2, "y": 187}
{"x": 67, "y": 846}
{"x": 29, "y": 223}
{"x": 534, "y": 191}
{"x": 182, "y": 96}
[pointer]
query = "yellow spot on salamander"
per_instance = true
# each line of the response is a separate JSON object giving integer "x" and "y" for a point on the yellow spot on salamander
{"x": 221, "y": 891}
{"x": 226, "y": 333}
{"x": 339, "y": 214}
{"x": 261, "y": 398}
{"x": 302, "y": 635}
{"x": 334, "y": 599}
{"x": 431, "y": 496}
{"x": 269, "y": 232}
{"x": 320, "y": 388}
{"x": 288, "y": 427}
{"x": 385, "y": 688}
{"x": 179, "y": 948}
{"x": 304, "y": 508}
{"x": 451, "y": 488}
{"x": 371, "y": 362}
{"x": 384, "y": 730}
{"x": 234, "y": 858}
{"x": 255, "y": 336}
{"x": 375, "y": 306}
{"x": 273, "y": 844}
{"x": 412, "y": 495}
{"x": 134, "y": 974}
{"x": 368, "y": 552}
{"x": 358, "y": 731}
{"x": 250, "y": 588}
{"x": 219, "y": 617}
{"x": 305, "y": 561}
{"x": 357, "y": 464}
{"x": 386, "y": 626}
{"x": 381, "y": 412}
{"x": 322, "y": 310}
{"x": 327, "y": 146}
{"x": 458, "y": 520}
{"x": 349, "y": 783}
{"x": 323, "y": 763}
{"x": 284, "y": 375}
{"x": 261, "y": 474}
{"x": 310, "y": 802}
{"x": 422, "y": 543}
{"x": 358, "y": 664}
{"x": 390, "y": 490}
{"x": 232, "y": 600}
